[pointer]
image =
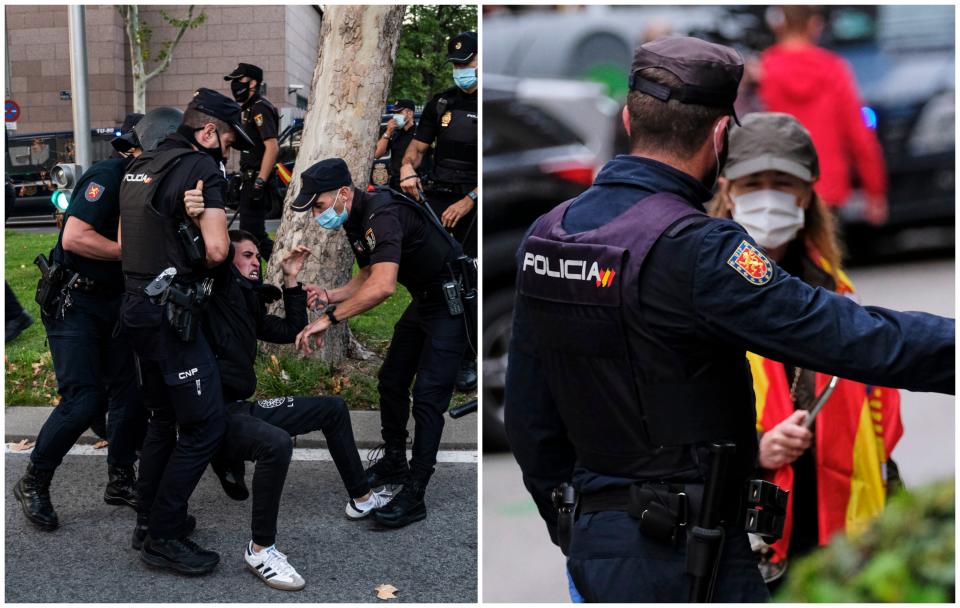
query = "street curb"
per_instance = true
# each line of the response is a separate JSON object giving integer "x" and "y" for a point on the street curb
{"x": 24, "y": 422}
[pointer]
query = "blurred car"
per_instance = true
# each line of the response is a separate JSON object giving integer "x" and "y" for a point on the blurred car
{"x": 904, "y": 62}
{"x": 532, "y": 161}
{"x": 29, "y": 160}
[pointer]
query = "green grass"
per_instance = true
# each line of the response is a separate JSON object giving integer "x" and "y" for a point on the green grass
{"x": 29, "y": 372}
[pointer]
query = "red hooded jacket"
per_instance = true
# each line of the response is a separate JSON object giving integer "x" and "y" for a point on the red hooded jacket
{"x": 818, "y": 88}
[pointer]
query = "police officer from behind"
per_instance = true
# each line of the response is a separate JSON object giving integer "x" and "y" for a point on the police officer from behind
{"x": 165, "y": 259}
{"x": 627, "y": 360}
{"x": 94, "y": 367}
{"x": 261, "y": 121}
{"x": 397, "y": 137}
{"x": 394, "y": 240}
{"x": 450, "y": 120}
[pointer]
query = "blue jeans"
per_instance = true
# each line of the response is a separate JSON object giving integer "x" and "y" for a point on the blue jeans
{"x": 95, "y": 373}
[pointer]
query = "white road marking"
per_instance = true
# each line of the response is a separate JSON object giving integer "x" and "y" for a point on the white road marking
{"x": 309, "y": 454}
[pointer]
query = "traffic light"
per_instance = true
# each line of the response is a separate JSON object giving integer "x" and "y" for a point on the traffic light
{"x": 65, "y": 177}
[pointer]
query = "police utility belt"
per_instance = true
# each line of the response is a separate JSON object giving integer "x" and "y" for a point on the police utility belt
{"x": 183, "y": 302}
{"x": 56, "y": 284}
{"x": 666, "y": 510}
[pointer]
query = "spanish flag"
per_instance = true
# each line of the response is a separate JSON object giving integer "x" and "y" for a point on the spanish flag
{"x": 856, "y": 431}
{"x": 283, "y": 174}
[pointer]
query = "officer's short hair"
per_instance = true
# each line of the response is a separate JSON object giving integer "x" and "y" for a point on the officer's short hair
{"x": 671, "y": 126}
{"x": 237, "y": 236}
{"x": 196, "y": 119}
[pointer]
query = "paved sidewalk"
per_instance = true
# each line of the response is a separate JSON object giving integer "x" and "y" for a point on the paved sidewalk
{"x": 24, "y": 422}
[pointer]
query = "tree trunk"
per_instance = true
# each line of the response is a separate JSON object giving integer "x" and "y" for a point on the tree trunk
{"x": 358, "y": 45}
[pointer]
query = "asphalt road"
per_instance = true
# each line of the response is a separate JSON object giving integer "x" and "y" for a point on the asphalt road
{"x": 520, "y": 564}
{"x": 89, "y": 559}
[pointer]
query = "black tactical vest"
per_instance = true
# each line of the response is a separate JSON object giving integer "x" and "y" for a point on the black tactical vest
{"x": 455, "y": 159}
{"x": 428, "y": 264}
{"x": 626, "y": 416}
{"x": 150, "y": 242}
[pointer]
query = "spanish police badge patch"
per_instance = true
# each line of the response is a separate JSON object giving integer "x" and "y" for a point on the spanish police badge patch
{"x": 93, "y": 192}
{"x": 258, "y": 119}
{"x": 445, "y": 119}
{"x": 751, "y": 264}
{"x": 371, "y": 240}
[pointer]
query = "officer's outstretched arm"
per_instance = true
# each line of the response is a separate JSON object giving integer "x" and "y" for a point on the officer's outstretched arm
{"x": 742, "y": 297}
{"x": 409, "y": 182}
{"x": 213, "y": 227}
{"x": 380, "y": 285}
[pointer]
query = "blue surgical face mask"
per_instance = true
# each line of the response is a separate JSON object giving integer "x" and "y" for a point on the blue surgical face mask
{"x": 465, "y": 78}
{"x": 400, "y": 119}
{"x": 330, "y": 219}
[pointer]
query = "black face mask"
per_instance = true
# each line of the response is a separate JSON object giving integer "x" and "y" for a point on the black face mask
{"x": 240, "y": 90}
{"x": 191, "y": 134}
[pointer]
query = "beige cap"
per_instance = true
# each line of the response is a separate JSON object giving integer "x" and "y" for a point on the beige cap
{"x": 771, "y": 141}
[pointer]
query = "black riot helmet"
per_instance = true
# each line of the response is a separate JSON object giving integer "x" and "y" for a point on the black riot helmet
{"x": 156, "y": 125}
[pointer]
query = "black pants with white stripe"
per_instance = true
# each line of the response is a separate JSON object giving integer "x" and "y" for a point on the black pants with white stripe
{"x": 260, "y": 432}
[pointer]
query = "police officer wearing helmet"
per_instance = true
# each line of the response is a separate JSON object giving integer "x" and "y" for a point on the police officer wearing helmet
{"x": 394, "y": 241}
{"x": 627, "y": 360}
{"x": 165, "y": 257}
{"x": 94, "y": 367}
{"x": 261, "y": 121}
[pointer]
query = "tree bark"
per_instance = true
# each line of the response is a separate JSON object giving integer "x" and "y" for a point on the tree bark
{"x": 358, "y": 45}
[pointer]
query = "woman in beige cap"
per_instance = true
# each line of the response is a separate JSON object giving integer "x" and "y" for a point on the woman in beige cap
{"x": 838, "y": 470}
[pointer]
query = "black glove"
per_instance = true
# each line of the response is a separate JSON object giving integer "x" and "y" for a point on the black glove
{"x": 258, "y": 190}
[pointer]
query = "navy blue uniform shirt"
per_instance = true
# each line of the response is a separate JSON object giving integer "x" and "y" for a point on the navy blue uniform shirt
{"x": 694, "y": 298}
{"x": 96, "y": 201}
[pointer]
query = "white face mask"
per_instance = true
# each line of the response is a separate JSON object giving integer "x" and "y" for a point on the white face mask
{"x": 771, "y": 217}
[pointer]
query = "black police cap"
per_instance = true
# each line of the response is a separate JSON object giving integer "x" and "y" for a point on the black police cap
{"x": 402, "y": 104}
{"x": 710, "y": 73}
{"x": 462, "y": 47}
{"x": 326, "y": 175}
{"x": 212, "y": 103}
{"x": 245, "y": 69}
{"x": 127, "y": 140}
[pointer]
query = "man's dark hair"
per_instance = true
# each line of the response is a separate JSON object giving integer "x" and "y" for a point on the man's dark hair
{"x": 196, "y": 119}
{"x": 237, "y": 236}
{"x": 673, "y": 127}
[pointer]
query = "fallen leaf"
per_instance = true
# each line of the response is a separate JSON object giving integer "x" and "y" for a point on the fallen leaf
{"x": 284, "y": 376}
{"x": 55, "y": 400}
{"x": 101, "y": 444}
{"x": 385, "y": 592}
{"x": 25, "y": 444}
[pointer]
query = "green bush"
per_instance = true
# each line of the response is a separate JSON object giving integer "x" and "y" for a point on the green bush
{"x": 907, "y": 555}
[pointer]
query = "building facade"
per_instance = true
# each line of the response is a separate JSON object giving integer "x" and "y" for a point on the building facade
{"x": 283, "y": 40}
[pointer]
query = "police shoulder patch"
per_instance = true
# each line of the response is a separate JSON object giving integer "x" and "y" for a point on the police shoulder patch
{"x": 751, "y": 264}
{"x": 371, "y": 239}
{"x": 258, "y": 119}
{"x": 93, "y": 192}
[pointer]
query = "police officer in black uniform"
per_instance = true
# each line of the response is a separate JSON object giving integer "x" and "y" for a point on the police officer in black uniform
{"x": 394, "y": 240}
{"x": 165, "y": 259}
{"x": 261, "y": 121}
{"x": 397, "y": 137}
{"x": 93, "y": 365}
{"x": 627, "y": 362}
{"x": 451, "y": 187}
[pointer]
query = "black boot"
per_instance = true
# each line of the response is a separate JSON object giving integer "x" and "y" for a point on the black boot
{"x": 179, "y": 554}
{"x": 231, "y": 474}
{"x": 140, "y": 530}
{"x": 406, "y": 507}
{"x": 467, "y": 376}
{"x": 391, "y": 467}
{"x": 121, "y": 489}
{"x": 33, "y": 492}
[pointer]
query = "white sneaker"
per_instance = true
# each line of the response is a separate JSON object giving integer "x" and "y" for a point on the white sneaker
{"x": 272, "y": 566}
{"x": 378, "y": 498}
